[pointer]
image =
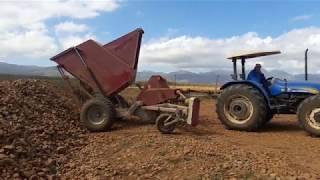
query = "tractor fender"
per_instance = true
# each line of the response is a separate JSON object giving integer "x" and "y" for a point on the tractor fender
{"x": 254, "y": 84}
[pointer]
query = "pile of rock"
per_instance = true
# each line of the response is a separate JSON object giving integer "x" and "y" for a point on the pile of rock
{"x": 39, "y": 129}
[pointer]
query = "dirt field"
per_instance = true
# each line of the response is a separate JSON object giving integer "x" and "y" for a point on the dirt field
{"x": 136, "y": 150}
{"x": 133, "y": 150}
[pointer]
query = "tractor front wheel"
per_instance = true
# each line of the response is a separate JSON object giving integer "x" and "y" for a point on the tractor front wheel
{"x": 309, "y": 115}
{"x": 97, "y": 114}
{"x": 241, "y": 107}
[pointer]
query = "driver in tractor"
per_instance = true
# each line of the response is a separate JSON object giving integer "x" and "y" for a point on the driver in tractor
{"x": 257, "y": 76}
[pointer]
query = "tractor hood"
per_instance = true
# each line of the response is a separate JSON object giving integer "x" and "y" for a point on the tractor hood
{"x": 280, "y": 86}
{"x": 310, "y": 87}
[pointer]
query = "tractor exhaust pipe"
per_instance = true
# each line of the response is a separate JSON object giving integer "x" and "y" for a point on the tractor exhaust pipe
{"x": 306, "y": 64}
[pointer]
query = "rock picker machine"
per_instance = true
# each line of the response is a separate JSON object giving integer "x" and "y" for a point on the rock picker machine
{"x": 105, "y": 70}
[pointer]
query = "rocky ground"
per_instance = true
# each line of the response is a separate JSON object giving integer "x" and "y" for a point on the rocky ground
{"x": 39, "y": 127}
{"x": 138, "y": 151}
{"x": 135, "y": 150}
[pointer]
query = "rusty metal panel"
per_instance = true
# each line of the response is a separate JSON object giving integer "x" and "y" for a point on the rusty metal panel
{"x": 156, "y": 91}
{"x": 156, "y": 96}
{"x": 69, "y": 61}
{"x": 109, "y": 69}
{"x": 195, "y": 112}
{"x": 127, "y": 47}
{"x": 112, "y": 73}
{"x": 156, "y": 81}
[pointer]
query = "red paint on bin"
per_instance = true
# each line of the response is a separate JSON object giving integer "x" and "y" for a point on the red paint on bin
{"x": 156, "y": 91}
{"x": 113, "y": 66}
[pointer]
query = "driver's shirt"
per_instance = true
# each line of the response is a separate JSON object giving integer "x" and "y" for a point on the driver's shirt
{"x": 257, "y": 77}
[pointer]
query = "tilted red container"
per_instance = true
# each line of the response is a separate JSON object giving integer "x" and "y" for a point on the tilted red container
{"x": 109, "y": 68}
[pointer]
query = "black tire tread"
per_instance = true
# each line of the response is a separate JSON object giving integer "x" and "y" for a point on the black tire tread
{"x": 162, "y": 129}
{"x": 108, "y": 107}
{"x": 301, "y": 108}
{"x": 259, "y": 98}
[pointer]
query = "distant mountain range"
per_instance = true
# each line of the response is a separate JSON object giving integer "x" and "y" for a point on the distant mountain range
{"x": 180, "y": 76}
{"x": 13, "y": 69}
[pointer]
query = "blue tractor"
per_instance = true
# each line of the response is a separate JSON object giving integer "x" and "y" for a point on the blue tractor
{"x": 247, "y": 105}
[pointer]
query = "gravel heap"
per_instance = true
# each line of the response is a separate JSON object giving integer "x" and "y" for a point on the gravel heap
{"x": 39, "y": 130}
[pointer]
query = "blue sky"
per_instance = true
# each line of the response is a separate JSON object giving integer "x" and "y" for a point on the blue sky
{"x": 179, "y": 35}
{"x": 214, "y": 19}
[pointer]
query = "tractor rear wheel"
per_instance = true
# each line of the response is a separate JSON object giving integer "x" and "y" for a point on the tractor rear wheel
{"x": 309, "y": 115}
{"x": 269, "y": 117}
{"x": 241, "y": 107}
{"x": 97, "y": 114}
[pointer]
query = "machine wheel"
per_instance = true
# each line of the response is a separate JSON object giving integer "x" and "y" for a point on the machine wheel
{"x": 309, "y": 115}
{"x": 162, "y": 120}
{"x": 97, "y": 114}
{"x": 241, "y": 107}
{"x": 146, "y": 116}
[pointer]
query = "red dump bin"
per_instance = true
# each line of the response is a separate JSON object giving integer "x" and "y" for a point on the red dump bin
{"x": 109, "y": 68}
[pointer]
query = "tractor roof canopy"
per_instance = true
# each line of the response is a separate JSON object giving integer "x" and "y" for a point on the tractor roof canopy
{"x": 252, "y": 54}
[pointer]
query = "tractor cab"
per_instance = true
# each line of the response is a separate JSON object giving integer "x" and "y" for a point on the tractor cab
{"x": 274, "y": 86}
{"x": 271, "y": 87}
{"x": 243, "y": 57}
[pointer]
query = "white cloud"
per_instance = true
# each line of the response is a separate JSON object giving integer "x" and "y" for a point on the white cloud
{"x": 23, "y": 28}
{"x": 70, "y": 34}
{"x": 205, "y": 54}
{"x": 32, "y": 41}
{"x": 302, "y": 17}
{"x": 70, "y": 27}
{"x": 23, "y": 13}
{"x": 72, "y": 40}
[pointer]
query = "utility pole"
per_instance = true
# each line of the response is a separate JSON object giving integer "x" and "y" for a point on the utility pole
{"x": 217, "y": 80}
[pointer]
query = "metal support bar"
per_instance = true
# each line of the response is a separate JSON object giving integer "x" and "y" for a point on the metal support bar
{"x": 165, "y": 109}
{"x": 157, "y": 108}
{"x": 133, "y": 108}
{"x": 216, "y": 88}
{"x": 86, "y": 92}
{"x": 180, "y": 94}
{"x": 306, "y": 64}
{"x": 235, "y": 72}
{"x": 171, "y": 106}
{"x": 89, "y": 70}
{"x": 66, "y": 80}
{"x": 243, "y": 62}
{"x": 176, "y": 120}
